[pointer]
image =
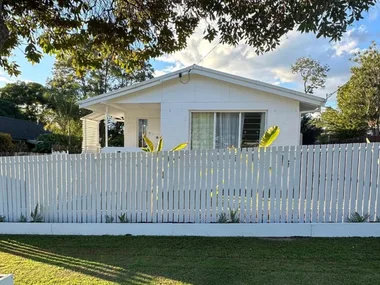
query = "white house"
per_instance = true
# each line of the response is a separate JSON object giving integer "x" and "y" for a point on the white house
{"x": 207, "y": 108}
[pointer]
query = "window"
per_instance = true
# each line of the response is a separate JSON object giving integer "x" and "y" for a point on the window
{"x": 226, "y": 129}
{"x": 142, "y": 126}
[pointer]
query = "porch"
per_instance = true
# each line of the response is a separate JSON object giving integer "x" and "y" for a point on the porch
{"x": 137, "y": 119}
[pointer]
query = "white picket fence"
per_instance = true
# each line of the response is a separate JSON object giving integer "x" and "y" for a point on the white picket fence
{"x": 278, "y": 185}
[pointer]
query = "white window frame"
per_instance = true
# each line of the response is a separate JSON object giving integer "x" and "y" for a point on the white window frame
{"x": 226, "y": 111}
{"x": 137, "y": 128}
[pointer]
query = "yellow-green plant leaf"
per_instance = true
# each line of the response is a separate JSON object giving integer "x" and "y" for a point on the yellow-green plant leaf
{"x": 148, "y": 143}
{"x": 145, "y": 149}
{"x": 160, "y": 144}
{"x": 179, "y": 147}
{"x": 269, "y": 136}
{"x": 367, "y": 140}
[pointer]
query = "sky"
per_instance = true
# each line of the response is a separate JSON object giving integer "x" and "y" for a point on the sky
{"x": 272, "y": 67}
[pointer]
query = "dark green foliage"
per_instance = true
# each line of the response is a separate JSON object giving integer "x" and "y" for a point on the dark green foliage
{"x": 234, "y": 216}
{"x": 22, "y": 219}
{"x": 131, "y": 32}
{"x": 11, "y": 110}
{"x": 231, "y": 218}
{"x": 357, "y": 218}
{"x": 2, "y": 219}
{"x": 47, "y": 142}
{"x": 123, "y": 218}
{"x": 6, "y": 144}
{"x": 357, "y": 101}
{"x": 36, "y": 216}
{"x": 223, "y": 218}
{"x": 109, "y": 219}
{"x": 28, "y": 100}
{"x": 310, "y": 132}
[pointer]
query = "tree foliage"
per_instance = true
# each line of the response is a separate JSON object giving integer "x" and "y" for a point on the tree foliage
{"x": 48, "y": 142}
{"x": 27, "y": 98}
{"x": 312, "y": 72}
{"x": 358, "y": 100}
{"x": 131, "y": 32}
{"x": 6, "y": 144}
{"x": 10, "y": 110}
{"x": 310, "y": 132}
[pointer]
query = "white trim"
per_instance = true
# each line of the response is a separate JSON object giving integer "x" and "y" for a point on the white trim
{"x": 240, "y": 131}
{"x": 211, "y": 230}
{"x": 6, "y": 279}
{"x": 106, "y": 127}
{"x": 242, "y": 81}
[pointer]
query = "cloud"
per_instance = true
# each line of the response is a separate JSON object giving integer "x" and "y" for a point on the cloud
{"x": 272, "y": 67}
{"x": 349, "y": 44}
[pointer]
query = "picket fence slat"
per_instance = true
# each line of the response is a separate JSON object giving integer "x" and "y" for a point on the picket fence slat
{"x": 277, "y": 185}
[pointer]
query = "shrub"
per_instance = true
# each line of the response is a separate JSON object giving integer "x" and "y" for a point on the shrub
{"x": 6, "y": 144}
{"x": 109, "y": 219}
{"x": 22, "y": 219}
{"x": 223, "y": 218}
{"x": 123, "y": 218}
{"x": 36, "y": 217}
{"x": 47, "y": 142}
{"x": 233, "y": 218}
{"x": 357, "y": 218}
{"x": 2, "y": 219}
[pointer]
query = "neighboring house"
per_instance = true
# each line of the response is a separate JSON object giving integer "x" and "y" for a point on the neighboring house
{"x": 22, "y": 131}
{"x": 207, "y": 108}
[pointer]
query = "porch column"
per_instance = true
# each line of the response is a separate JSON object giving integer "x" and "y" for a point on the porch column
{"x": 106, "y": 127}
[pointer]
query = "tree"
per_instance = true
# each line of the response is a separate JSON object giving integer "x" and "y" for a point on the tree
{"x": 67, "y": 87}
{"x": 28, "y": 97}
{"x": 92, "y": 82}
{"x": 365, "y": 84}
{"x": 310, "y": 132}
{"x": 11, "y": 110}
{"x": 132, "y": 32}
{"x": 349, "y": 120}
{"x": 314, "y": 76}
{"x": 6, "y": 144}
{"x": 312, "y": 72}
{"x": 358, "y": 100}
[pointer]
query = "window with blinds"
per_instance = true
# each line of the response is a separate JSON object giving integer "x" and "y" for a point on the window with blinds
{"x": 226, "y": 129}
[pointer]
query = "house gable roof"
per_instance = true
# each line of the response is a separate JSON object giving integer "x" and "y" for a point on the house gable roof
{"x": 218, "y": 75}
{"x": 21, "y": 129}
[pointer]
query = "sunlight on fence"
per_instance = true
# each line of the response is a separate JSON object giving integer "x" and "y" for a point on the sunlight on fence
{"x": 277, "y": 185}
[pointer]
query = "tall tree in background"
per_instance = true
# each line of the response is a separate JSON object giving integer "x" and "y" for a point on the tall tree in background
{"x": 312, "y": 72}
{"x": 358, "y": 101}
{"x": 69, "y": 86}
{"x": 28, "y": 98}
{"x": 93, "y": 82}
{"x": 313, "y": 76}
{"x": 130, "y": 33}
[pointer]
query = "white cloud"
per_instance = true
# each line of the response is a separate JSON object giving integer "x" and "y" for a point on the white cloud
{"x": 349, "y": 44}
{"x": 272, "y": 67}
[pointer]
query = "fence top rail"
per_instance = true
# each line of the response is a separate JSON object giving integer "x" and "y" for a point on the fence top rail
{"x": 283, "y": 149}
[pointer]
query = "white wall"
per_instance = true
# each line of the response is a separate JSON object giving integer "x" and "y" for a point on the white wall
{"x": 131, "y": 124}
{"x": 202, "y": 93}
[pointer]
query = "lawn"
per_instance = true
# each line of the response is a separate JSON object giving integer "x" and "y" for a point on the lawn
{"x": 189, "y": 260}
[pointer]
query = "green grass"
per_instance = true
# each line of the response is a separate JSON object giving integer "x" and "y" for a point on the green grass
{"x": 189, "y": 260}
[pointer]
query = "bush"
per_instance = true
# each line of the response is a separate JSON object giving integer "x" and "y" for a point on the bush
{"x": 6, "y": 144}
{"x": 47, "y": 142}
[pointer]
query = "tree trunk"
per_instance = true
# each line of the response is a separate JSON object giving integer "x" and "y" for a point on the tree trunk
{"x": 4, "y": 32}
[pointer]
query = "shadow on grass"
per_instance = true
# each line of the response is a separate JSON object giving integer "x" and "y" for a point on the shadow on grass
{"x": 97, "y": 269}
{"x": 126, "y": 260}
{"x": 171, "y": 260}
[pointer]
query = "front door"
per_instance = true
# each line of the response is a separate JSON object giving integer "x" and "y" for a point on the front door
{"x": 150, "y": 127}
